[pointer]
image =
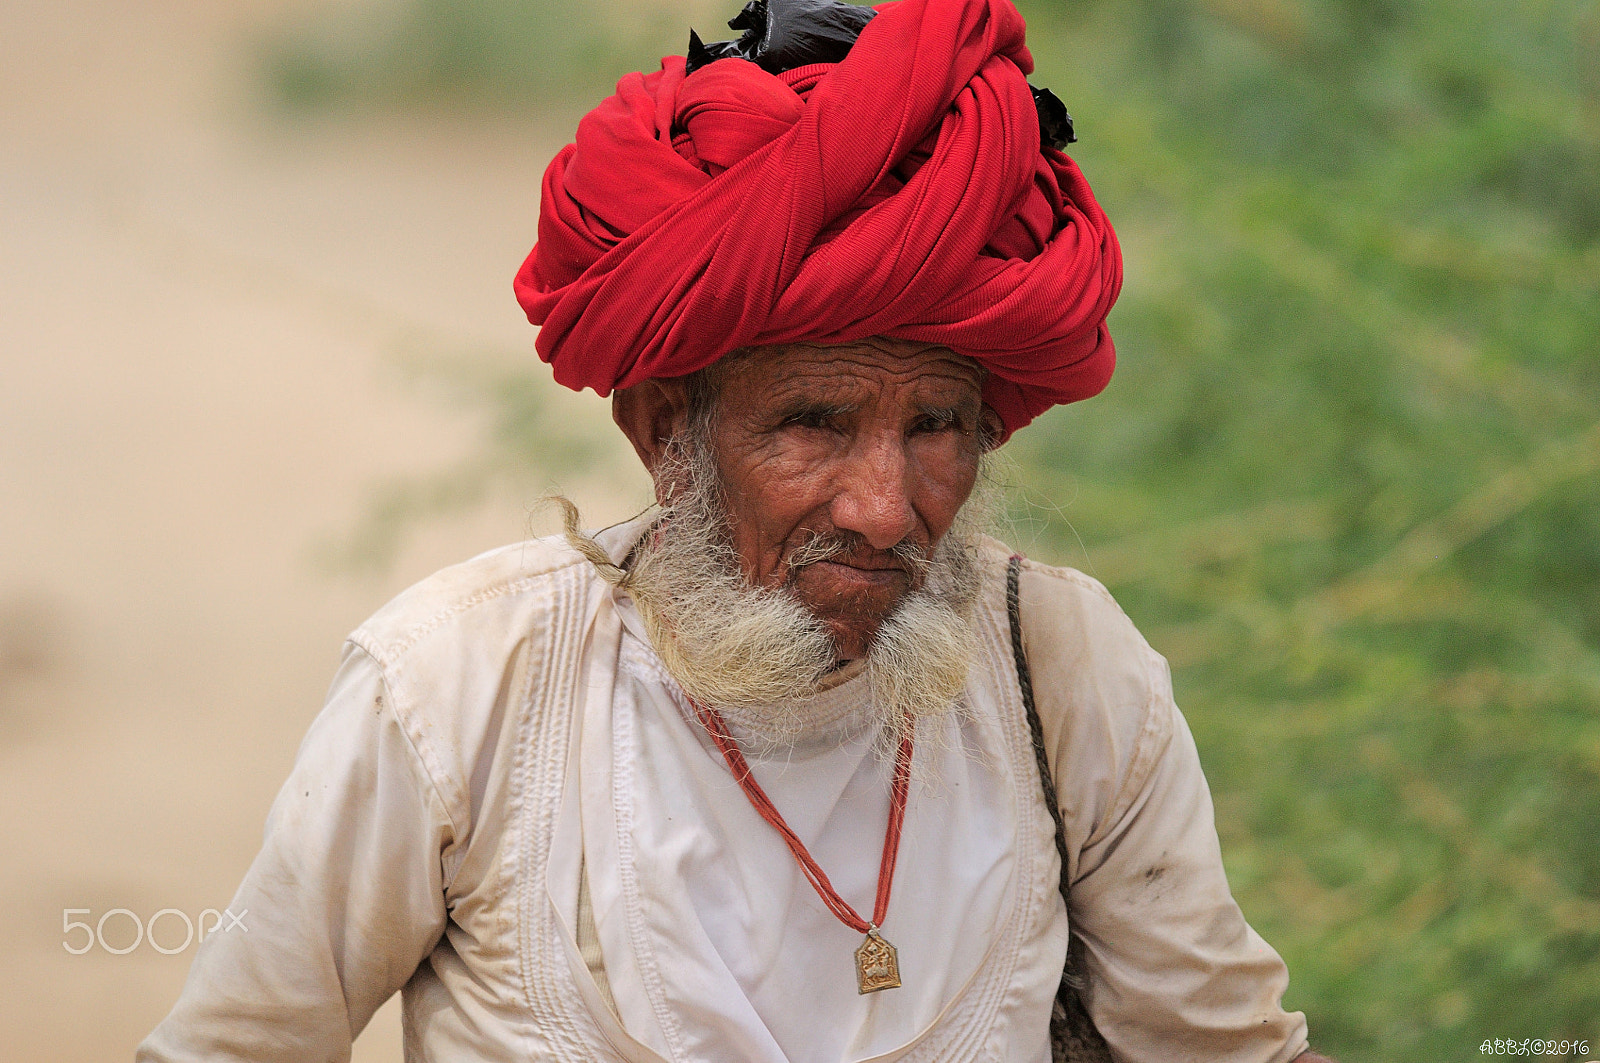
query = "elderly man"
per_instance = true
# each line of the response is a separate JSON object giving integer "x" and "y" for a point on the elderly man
{"x": 800, "y": 765}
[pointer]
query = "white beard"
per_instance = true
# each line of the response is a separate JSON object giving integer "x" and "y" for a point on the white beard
{"x": 761, "y": 654}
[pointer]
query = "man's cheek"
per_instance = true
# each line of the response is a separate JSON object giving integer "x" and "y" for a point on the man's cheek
{"x": 787, "y": 511}
{"x": 947, "y": 475}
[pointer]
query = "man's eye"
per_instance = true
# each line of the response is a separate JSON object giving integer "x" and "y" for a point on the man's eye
{"x": 937, "y": 422}
{"x": 810, "y": 419}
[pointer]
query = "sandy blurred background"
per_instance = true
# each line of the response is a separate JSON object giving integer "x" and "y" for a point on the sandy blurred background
{"x": 206, "y": 314}
{"x": 260, "y": 368}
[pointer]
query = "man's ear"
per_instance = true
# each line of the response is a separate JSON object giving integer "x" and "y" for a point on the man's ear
{"x": 650, "y": 414}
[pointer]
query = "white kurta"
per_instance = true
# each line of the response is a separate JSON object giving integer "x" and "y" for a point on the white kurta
{"x": 504, "y": 729}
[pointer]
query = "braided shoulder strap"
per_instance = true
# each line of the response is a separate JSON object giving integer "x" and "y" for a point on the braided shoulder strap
{"x": 1073, "y": 1037}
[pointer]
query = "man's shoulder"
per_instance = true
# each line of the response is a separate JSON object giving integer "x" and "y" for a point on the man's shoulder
{"x": 1088, "y": 624}
{"x": 499, "y": 594}
{"x": 1066, "y": 599}
{"x": 1104, "y": 695}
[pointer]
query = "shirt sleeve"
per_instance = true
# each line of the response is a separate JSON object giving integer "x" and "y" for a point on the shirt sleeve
{"x": 343, "y": 902}
{"x": 1173, "y": 970}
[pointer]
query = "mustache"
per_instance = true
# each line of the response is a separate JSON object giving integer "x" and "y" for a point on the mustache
{"x": 825, "y": 546}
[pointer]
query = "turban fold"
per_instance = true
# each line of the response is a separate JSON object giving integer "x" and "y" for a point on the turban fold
{"x": 901, "y": 192}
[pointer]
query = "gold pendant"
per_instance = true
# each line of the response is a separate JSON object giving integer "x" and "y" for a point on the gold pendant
{"x": 877, "y": 964}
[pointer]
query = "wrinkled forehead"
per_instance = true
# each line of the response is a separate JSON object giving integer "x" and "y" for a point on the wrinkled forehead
{"x": 848, "y": 372}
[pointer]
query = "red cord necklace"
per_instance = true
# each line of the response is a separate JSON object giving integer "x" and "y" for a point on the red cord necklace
{"x": 877, "y": 962}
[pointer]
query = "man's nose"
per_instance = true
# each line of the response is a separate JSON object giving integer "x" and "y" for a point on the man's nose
{"x": 874, "y": 498}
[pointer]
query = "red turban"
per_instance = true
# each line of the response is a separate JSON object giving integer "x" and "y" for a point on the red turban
{"x": 902, "y": 192}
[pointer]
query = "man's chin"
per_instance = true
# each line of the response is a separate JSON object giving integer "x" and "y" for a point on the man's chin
{"x": 853, "y": 635}
{"x": 849, "y": 645}
{"x": 851, "y": 603}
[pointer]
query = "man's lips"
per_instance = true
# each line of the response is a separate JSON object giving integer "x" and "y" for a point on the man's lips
{"x": 871, "y": 564}
{"x": 850, "y": 571}
{"x": 859, "y": 574}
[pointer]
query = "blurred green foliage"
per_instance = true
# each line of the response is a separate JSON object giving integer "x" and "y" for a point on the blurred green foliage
{"x": 1348, "y": 474}
{"x": 1348, "y": 477}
